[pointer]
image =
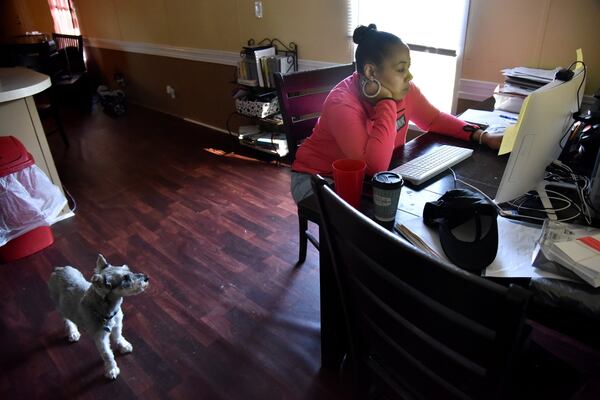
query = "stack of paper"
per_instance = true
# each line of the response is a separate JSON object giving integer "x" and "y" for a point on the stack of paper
{"x": 529, "y": 77}
{"x": 582, "y": 256}
{"x": 416, "y": 241}
{"x": 520, "y": 82}
{"x": 574, "y": 247}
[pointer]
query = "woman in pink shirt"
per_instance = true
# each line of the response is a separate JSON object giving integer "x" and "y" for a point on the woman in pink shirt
{"x": 366, "y": 115}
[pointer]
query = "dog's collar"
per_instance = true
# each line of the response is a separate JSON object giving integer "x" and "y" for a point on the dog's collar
{"x": 105, "y": 319}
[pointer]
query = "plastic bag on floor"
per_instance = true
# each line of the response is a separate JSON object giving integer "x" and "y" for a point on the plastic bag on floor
{"x": 114, "y": 102}
{"x": 28, "y": 200}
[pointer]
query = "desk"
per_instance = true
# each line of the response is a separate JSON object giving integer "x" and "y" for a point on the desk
{"x": 483, "y": 170}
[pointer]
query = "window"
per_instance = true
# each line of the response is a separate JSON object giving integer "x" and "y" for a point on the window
{"x": 64, "y": 16}
{"x": 435, "y": 32}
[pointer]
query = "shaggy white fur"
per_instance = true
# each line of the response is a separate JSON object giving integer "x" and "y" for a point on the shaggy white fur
{"x": 95, "y": 306}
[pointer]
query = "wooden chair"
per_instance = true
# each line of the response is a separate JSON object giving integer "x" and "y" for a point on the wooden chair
{"x": 70, "y": 70}
{"x": 301, "y": 96}
{"x": 418, "y": 328}
{"x": 70, "y": 50}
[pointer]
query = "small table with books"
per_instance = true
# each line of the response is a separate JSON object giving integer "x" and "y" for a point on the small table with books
{"x": 256, "y": 98}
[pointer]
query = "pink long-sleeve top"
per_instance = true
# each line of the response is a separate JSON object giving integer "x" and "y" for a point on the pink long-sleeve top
{"x": 351, "y": 127}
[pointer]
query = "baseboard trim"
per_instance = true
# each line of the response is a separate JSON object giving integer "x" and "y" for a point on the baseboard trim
{"x": 214, "y": 128}
{"x": 190, "y": 120}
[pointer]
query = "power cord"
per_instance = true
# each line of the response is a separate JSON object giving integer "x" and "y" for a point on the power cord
{"x": 582, "y": 81}
{"x": 505, "y": 213}
{"x": 71, "y": 198}
{"x": 582, "y": 186}
{"x": 473, "y": 187}
{"x": 576, "y": 114}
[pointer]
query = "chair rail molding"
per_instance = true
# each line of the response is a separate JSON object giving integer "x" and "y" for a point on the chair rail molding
{"x": 187, "y": 53}
{"x": 165, "y": 50}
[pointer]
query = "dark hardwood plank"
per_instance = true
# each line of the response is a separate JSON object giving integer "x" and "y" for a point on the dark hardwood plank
{"x": 226, "y": 315}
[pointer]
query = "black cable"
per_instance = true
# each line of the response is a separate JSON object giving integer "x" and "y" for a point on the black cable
{"x": 560, "y": 142}
{"x": 583, "y": 80}
{"x": 577, "y": 98}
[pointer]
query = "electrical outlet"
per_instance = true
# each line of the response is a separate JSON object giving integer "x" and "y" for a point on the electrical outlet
{"x": 171, "y": 91}
{"x": 258, "y": 9}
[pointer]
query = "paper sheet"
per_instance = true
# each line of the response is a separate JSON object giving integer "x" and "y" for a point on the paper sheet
{"x": 489, "y": 118}
{"x": 582, "y": 253}
{"x": 510, "y": 134}
{"x": 515, "y": 248}
{"x": 579, "y": 53}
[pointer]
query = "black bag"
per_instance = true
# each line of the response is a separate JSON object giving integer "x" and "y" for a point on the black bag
{"x": 114, "y": 102}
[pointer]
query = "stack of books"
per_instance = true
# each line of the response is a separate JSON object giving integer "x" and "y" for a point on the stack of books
{"x": 259, "y": 63}
{"x": 268, "y": 141}
{"x": 573, "y": 247}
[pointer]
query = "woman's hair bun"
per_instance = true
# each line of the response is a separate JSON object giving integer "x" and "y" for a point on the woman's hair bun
{"x": 362, "y": 32}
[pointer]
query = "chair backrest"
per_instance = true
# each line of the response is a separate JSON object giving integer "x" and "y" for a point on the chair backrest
{"x": 301, "y": 96}
{"x": 63, "y": 41}
{"x": 70, "y": 51}
{"x": 419, "y": 327}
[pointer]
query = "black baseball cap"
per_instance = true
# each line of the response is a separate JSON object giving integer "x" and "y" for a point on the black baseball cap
{"x": 468, "y": 228}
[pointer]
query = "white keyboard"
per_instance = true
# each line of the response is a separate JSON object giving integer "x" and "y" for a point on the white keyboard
{"x": 424, "y": 167}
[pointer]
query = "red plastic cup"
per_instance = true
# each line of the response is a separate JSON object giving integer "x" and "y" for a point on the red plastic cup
{"x": 348, "y": 176}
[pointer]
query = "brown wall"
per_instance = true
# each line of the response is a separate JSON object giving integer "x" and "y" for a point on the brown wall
{"x": 203, "y": 90}
{"x": 20, "y": 16}
{"x": 500, "y": 33}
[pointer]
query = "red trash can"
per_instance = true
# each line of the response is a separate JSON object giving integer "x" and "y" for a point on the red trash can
{"x": 14, "y": 157}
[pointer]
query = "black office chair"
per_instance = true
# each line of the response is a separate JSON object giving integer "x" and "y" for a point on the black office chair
{"x": 301, "y": 96}
{"x": 418, "y": 328}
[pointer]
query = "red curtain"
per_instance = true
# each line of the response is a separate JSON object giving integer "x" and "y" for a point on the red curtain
{"x": 64, "y": 16}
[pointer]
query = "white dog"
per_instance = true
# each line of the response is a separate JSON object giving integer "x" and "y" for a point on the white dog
{"x": 96, "y": 307}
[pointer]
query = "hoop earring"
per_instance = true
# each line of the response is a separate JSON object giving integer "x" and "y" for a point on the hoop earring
{"x": 364, "y": 85}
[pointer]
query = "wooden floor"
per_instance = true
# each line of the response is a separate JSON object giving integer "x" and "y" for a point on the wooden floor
{"x": 227, "y": 316}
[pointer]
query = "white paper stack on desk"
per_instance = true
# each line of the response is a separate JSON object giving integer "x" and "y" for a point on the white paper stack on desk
{"x": 574, "y": 247}
{"x": 518, "y": 84}
{"x": 529, "y": 77}
{"x": 582, "y": 256}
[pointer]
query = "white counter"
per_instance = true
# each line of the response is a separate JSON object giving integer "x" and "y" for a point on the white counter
{"x": 19, "y": 118}
{"x": 19, "y": 82}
